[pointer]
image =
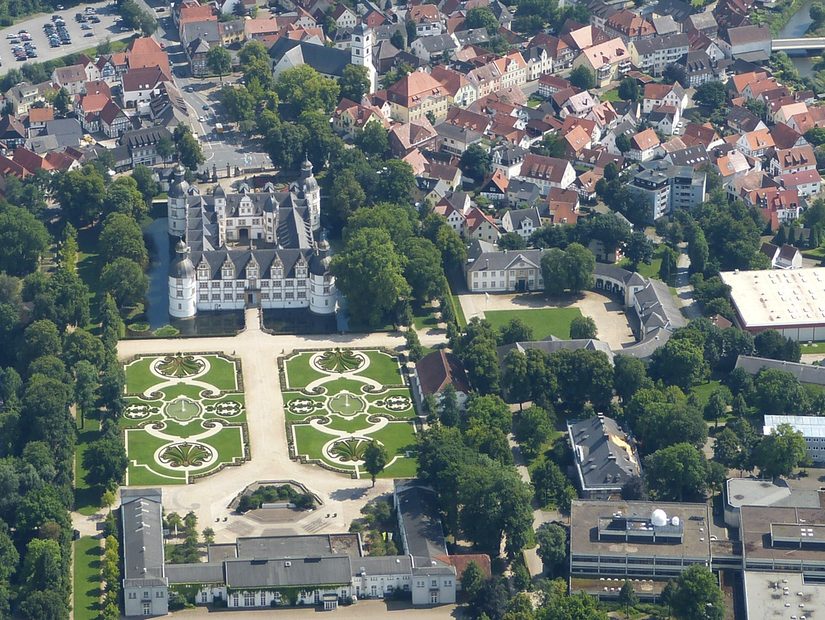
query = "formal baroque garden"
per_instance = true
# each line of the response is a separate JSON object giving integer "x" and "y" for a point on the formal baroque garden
{"x": 184, "y": 417}
{"x": 338, "y": 401}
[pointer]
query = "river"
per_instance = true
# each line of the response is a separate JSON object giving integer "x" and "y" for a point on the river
{"x": 796, "y": 27}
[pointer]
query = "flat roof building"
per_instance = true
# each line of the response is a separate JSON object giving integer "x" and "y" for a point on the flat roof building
{"x": 782, "y": 595}
{"x": 811, "y": 427}
{"x": 789, "y": 301}
{"x": 754, "y": 492}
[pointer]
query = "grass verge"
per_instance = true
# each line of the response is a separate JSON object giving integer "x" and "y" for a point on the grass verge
{"x": 87, "y": 554}
{"x": 544, "y": 322}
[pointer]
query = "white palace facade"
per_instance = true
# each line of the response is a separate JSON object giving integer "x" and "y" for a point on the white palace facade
{"x": 249, "y": 249}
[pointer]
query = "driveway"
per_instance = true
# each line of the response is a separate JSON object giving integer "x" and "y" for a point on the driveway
{"x": 209, "y": 498}
{"x": 609, "y": 314}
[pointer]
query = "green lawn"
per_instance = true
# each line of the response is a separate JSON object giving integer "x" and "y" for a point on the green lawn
{"x": 383, "y": 368}
{"x": 425, "y": 318}
{"x": 816, "y": 347}
{"x": 610, "y": 95}
{"x": 458, "y": 311}
{"x": 86, "y": 496}
{"x": 544, "y": 322}
{"x": 651, "y": 270}
{"x": 704, "y": 390}
{"x": 88, "y": 268}
{"x": 299, "y": 372}
{"x": 87, "y": 554}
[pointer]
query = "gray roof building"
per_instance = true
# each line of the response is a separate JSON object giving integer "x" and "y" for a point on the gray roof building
{"x": 67, "y": 131}
{"x": 142, "y": 536}
{"x": 421, "y": 532}
{"x": 605, "y": 456}
{"x": 804, "y": 373}
{"x": 288, "y": 572}
{"x": 553, "y": 344}
{"x": 286, "y": 53}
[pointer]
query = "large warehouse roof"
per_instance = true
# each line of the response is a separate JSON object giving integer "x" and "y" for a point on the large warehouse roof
{"x": 776, "y": 298}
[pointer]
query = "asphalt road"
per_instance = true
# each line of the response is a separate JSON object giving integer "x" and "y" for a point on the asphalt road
{"x": 106, "y": 29}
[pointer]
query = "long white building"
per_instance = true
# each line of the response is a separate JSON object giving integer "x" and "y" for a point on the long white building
{"x": 811, "y": 427}
{"x": 248, "y": 249}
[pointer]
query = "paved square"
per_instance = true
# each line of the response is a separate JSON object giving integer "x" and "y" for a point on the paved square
{"x": 339, "y": 400}
{"x": 184, "y": 417}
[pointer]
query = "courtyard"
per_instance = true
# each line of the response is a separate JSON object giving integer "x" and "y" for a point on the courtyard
{"x": 552, "y": 315}
{"x": 337, "y": 401}
{"x": 184, "y": 417}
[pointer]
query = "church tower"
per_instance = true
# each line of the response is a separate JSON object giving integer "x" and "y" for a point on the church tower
{"x": 312, "y": 194}
{"x": 361, "y": 50}
{"x": 176, "y": 203}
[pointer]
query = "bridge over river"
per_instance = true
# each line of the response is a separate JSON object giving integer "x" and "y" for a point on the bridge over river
{"x": 812, "y": 45}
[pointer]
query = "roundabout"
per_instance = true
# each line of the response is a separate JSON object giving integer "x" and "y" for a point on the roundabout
{"x": 340, "y": 400}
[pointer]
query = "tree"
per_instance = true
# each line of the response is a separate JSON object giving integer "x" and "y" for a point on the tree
{"x": 579, "y": 262}
{"x": 373, "y": 139}
{"x": 355, "y": 82}
{"x": 532, "y": 428}
{"x": 346, "y": 195}
{"x": 423, "y": 270}
{"x": 698, "y": 252}
{"x": 238, "y": 102}
{"x": 677, "y": 473}
{"x": 121, "y": 237}
{"x": 552, "y": 540}
{"x": 675, "y": 72}
{"x": 125, "y": 280}
{"x": 188, "y": 148}
{"x": 123, "y": 196}
{"x": 630, "y": 376}
{"x": 146, "y": 184}
{"x": 62, "y": 101}
{"x": 286, "y": 144}
{"x": 396, "y": 182}
{"x": 551, "y": 145}
{"x": 515, "y": 380}
{"x": 628, "y": 598}
{"x": 770, "y": 343}
{"x": 481, "y": 17}
{"x": 776, "y": 391}
{"x": 634, "y": 489}
{"x": 303, "y": 88}
{"x": 219, "y": 60}
{"x": 44, "y": 604}
{"x": 81, "y": 346}
{"x": 105, "y": 461}
{"x": 667, "y": 270}
{"x": 80, "y": 193}
{"x": 515, "y": 330}
{"x": 476, "y": 162}
{"x": 639, "y": 249}
{"x": 511, "y": 241}
{"x": 582, "y": 328}
{"x": 165, "y": 147}
{"x": 629, "y": 89}
{"x": 397, "y": 39}
{"x": 582, "y": 77}
{"x": 552, "y": 486}
{"x": 40, "y": 338}
{"x": 623, "y": 143}
{"x": 697, "y": 596}
{"x": 472, "y": 579}
{"x": 711, "y": 95}
{"x": 779, "y": 453}
{"x": 369, "y": 272}
{"x": 23, "y": 239}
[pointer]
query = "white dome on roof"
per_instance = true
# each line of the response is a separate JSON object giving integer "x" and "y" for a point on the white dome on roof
{"x": 659, "y": 517}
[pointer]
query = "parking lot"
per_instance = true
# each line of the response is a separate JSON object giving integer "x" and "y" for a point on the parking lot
{"x": 99, "y": 32}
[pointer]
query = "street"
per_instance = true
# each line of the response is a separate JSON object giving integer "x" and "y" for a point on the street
{"x": 106, "y": 29}
{"x": 202, "y": 98}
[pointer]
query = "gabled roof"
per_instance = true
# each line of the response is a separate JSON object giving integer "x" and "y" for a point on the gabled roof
{"x": 413, "y": 88}
{"x": 645, "y": 140}
{"x": 146, "y": 78}
{"x": 326, "y": 60}
{"x": 41, "y": 115}
{"x": 439, "y": 369}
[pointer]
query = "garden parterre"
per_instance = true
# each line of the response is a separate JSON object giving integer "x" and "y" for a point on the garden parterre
{"x": 184, "y": 417}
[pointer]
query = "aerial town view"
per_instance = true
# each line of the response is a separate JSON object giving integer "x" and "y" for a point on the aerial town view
{"x": 426, "y": 309}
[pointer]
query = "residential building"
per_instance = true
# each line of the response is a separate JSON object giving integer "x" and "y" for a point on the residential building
{"x": 427, "y": 18}
{"x": 141, "y": 145}
{"x": 699, "y": 68}
{"x": 139, "y": 85}
{"x": 22, "y": 96}
{"x": 72, "y": 78}
{"x": 438, "y": 47}
{"x": 656, "y": 95}
{"x": 547, "y": 172}
{"x": 807, "y": 182}
{"x": 795, "y": 159}
{"x": 749, "y": 43}
{"x": 654, "y": 54}
{"x": 628, "y": 26}
{"x": 416, "y": 94}
{"x": 653, "y": 188}
{"x": 608, "y": 61}
{"x": 782, "y": 257}
{"x": 605, "y": 456}
{"x": 524, "y": 222}
{"x": 435, "y": 371}
{"x": 643, "y": 145}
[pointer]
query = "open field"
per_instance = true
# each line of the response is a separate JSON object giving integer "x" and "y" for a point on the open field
{"x": 336, "y": 402}
{"x": 184, "y": 417}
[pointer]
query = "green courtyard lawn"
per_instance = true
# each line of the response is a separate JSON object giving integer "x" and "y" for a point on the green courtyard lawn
{"x": 815, "y": 348}
{"x": 544, "y": 322}
{"x": 704, "y": 390}
{"x": 383, "y": 368}
{"x": 86, "y": 496}
{"x": 651, "y": 270}
{"x": 610, "y": 95}
{"x": 425, "y": 318}
{"x": 86, "y": 591}
{"x": 299, "y": 372}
